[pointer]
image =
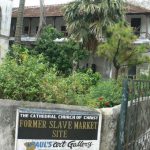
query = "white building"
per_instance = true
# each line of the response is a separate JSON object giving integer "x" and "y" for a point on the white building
{"x": 138, "y": 17}
{"x": 5, "y": 21}
{"x": 53, "y": 16}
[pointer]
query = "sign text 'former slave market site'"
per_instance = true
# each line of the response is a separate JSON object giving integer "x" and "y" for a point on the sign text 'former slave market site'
{"x": 39, "y": 129}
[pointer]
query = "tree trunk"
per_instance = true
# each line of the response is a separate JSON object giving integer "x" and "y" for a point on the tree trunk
{"x": 116, "y": 73}
{"x": 42, "y": 20}
{"x": 19, "y": 24}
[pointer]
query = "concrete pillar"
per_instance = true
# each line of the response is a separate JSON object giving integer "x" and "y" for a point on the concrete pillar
{"x": 146, "y": 26}
{"x": 6, "y": 11}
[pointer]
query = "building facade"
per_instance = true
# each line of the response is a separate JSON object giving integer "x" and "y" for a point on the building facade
{"x": 53, "y": 16}
{"x": 137, "y": 17}
{"x": 5, "y": 21}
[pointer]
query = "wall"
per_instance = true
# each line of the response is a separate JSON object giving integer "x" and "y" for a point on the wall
{"x": 8, "y": 118}
{"x": 59, "y": 21}
{"x": 110, "y": 118}
{"x": 143, "y": 21}
{"x": 102, "y": 65}
{"x": 6, "y": 8}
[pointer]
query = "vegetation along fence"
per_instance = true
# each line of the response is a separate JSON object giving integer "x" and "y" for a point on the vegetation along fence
{"x": 134, "y": 124}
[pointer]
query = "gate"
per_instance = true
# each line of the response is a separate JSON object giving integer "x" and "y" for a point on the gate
{"x": 134, "y": 123}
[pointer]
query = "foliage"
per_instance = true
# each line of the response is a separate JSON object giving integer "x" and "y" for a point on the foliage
{"x": 20, "y": 77}
{"x": 62, "y": 54}
{"x": 18, "y": 53}
{"x": 120, "y": 48}
{"x": 105, "y": 94}
{"x": 49, "y": 33}
{"x": 87, "y": 20}
{"x": 71, "y": 89}
{"x": 29, "y": 78}
{"x": 143, "y": 76}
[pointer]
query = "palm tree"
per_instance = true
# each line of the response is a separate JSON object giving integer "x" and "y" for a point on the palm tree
{"x": 19, "y": 24}
{"x": 88, "y": 19}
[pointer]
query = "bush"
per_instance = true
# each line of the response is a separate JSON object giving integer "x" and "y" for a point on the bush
{"x": 63, "y": 54}
{"x": 20, "y": 77}
{"x": 105, "y": 94}
{"x": 68, "y": 90}
{"x": 29, "y": 78}
{"x": 83, "y": 89}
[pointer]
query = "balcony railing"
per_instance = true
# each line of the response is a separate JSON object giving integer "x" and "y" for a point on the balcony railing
{"x": 144, "y": 35}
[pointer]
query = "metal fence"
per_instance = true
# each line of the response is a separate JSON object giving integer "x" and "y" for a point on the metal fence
{"x": 134, "y": 124}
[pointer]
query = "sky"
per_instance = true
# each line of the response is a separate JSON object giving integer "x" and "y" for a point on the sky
{"x": 145, "y": 3}
{"x": 37, "y": 2}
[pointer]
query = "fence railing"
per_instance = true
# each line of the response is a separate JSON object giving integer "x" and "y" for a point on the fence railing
{"x": 134, "y": 124}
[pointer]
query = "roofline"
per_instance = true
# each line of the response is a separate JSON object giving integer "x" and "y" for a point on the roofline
{"x": 145, "y": 10}
{"x": 35, "y": 16}
{"x": 53, "y": 5}
{"x": 140, "y": 13}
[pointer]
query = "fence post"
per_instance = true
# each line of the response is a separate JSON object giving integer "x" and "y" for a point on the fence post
{"x": 122, "y": 118}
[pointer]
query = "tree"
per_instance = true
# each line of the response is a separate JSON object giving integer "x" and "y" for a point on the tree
{"x": 62, "y": 55}
{"x": 87, "y": 19}
{"x": 42, "y": 21}
{"x": 120, "y": 49}
{"x": 19, "y": 24}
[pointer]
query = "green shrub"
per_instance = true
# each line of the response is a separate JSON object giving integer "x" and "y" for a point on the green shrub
{"x": 105, "y": 94}
{"x": 61, "y": 54}
{"x": 29, "y": 78}
{"x": 68, "y": 90}
{"x": 20, "y": 77}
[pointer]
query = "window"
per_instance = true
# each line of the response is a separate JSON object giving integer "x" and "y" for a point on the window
{"x": 64, "y": 31}
{"x": 132, "y": 72}
{"x": 63, "y": 28}
{"x": 136, "y": 24}
{"x": 26, "y": 30}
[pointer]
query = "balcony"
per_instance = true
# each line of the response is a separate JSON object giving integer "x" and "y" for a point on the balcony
{"x": 143, "y": 38}
{"x": 25, "y": 39}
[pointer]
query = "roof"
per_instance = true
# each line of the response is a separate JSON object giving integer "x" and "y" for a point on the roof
{"x": 56, "y": 10}
{"x": 34, "y": 11}
{"x": 133, "y": 9}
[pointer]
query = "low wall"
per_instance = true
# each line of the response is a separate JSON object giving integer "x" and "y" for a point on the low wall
{"x": 8, "y": 121}
{"x": 110, "y": 118}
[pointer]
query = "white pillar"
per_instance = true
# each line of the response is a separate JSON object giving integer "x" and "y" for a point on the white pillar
{"x": 6, "y": 10}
